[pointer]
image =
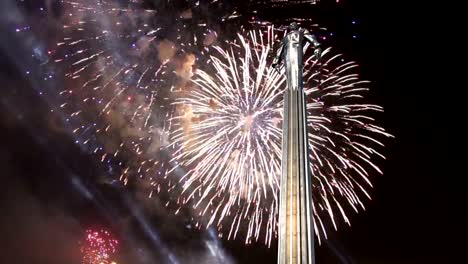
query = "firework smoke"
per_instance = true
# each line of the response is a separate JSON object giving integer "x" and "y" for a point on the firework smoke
{"x": 120, "y": 63}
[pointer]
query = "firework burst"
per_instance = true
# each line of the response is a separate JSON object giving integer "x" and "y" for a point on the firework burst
{"x": 98, "y": 247}
{"x": 230, "y": 138}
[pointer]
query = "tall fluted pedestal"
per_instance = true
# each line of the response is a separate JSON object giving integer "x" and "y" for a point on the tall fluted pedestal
{"x": 296, "y": 227}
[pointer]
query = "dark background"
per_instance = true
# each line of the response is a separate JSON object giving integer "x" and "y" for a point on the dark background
{"x": 402, "y": 48}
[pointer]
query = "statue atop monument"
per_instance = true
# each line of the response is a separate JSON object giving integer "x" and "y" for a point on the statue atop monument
{"x": 290, "y": 50}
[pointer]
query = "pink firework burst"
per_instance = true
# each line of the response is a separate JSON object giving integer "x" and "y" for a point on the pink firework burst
{"x": 98, "y": 247}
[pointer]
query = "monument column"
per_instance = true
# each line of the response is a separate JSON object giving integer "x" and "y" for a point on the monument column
{"x": 296, "y": 226}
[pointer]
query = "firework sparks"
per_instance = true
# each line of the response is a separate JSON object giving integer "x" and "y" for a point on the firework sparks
{"x": 98, "y": 247}
{"x": 230, "y": 137}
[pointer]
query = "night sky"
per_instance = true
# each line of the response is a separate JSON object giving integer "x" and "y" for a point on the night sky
{"x": 51, "y": 189}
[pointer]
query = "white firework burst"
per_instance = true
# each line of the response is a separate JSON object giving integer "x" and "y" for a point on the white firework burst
{"x": 228, "y": 135}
